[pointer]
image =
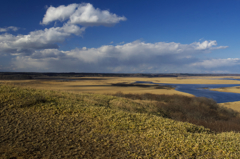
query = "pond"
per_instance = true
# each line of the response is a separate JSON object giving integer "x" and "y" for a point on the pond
{"x": 202, "y": 90}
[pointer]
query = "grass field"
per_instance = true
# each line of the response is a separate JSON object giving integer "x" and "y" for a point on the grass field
{"x": 103, "y": 85}
{"x": 55, "y": 124}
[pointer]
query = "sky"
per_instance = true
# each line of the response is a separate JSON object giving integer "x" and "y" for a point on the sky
{"x": 120, "y": 36}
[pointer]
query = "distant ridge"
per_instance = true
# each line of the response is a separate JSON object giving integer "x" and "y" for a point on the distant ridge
{"x": 37, "y": 75}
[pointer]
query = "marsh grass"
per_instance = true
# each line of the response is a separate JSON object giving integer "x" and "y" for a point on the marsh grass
{"x": 156, "y": 86}
{"x": 50, "y": 124}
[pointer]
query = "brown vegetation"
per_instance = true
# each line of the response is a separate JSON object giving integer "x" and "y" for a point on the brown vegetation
{"x": 15, "y": 77}
{"x": 197, "y": 110}
{"x": 130, "y": 85}
{"x": 156, "y": 86}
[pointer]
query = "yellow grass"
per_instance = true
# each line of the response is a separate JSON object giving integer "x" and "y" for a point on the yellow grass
{"x": 228, "y": 89}
{"x": 232, "y": 105}
{"x": 103, "y": 85}
{"x": 94, "y": 86}
{"x": 49, "y": 124}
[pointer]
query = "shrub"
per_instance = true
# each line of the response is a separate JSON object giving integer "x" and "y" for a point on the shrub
{"x": 197, "y": 110}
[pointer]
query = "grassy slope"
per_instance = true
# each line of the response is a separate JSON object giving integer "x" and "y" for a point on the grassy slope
{"x": 196, "y": 110}
{"x": 36, "y": 123}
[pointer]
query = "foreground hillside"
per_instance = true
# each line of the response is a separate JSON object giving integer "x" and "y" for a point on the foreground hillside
{"x": 48, "y": 124}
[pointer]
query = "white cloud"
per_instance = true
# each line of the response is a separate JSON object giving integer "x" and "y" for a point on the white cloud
{"x": 40, "y": 39}
{"x": 60, "y": 13}
{"x": 10, "y": 28}
{"x": 136, "y": 56}
{"x": 208, "y": 45}
{"x": 216, "y": 63}
{"x": 83, "y": 14}
{"x": 138, "y": 49}
{"x": 87, "y": 15}
{"x": 38, "y": 50}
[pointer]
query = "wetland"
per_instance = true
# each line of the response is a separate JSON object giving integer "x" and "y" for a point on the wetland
{"x": 109, "y": 116}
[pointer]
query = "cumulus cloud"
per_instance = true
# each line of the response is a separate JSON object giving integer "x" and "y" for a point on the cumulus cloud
{"x": 138, "y": 49}
{"x": 216, "y": 63}
{"x": 43, "y": 43}
{"x": 87, "y": 15}
{"x": 35, "y": 40}
{"x": 60, "y": 13}
{"x": 10, "y": 28}
{"x": 136, "y": 56}
{"x": 83, "y": 14}
{"x": 38, "y": 50}
{"x": 208, "y": 45}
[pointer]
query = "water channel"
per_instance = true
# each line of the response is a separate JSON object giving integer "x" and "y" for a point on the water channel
{"x": 202, "y": 90}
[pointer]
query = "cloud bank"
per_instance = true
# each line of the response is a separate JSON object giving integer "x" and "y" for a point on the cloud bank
{"x": 131, "y": 57}
{"x": 144, "y": 51}
{"x": 217, "y": 63}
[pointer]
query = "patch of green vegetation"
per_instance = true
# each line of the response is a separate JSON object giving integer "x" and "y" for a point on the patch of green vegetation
{"x": 50, "y": 124}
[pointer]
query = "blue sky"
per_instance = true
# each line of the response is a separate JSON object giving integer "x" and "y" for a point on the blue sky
{"x": 157, "y": 36}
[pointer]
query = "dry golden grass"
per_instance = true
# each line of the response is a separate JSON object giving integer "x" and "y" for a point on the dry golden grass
{"x": 104, "y": 84}
{"x": 232, "y": 105}
{"x": 228, "y": 89}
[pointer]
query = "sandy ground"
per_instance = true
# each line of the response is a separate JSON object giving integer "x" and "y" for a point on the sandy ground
{"x": 103, "y": 85}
